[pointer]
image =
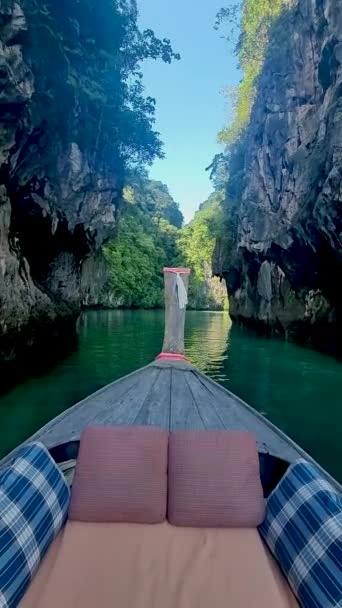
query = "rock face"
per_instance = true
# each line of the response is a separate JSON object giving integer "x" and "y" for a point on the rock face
{"x": 96, "y": 287}
{"x": 282, "y": 257}
{"x": 59, "y": 193}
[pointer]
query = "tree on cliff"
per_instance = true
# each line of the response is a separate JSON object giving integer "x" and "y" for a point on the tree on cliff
{"x": 146, "y": 242}
{"x": 154, "y": 198}
{"x": 100, "y": 48}
{"x": 247, "y": 26}
{"x": 196, "y": 243}
{"x": 150, "y": 237}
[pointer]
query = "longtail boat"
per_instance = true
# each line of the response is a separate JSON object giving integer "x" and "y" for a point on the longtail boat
{"x": 170, "y": 395}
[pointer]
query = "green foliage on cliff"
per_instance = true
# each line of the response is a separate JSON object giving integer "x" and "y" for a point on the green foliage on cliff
{"x": 150, "y": 236}
{"x": 254, "y": 19}
{"x": 154, "y": 199}
{"x": 145, "y": 243}
{"x": 196, "y": 243}
{"x": 97, "y": 48}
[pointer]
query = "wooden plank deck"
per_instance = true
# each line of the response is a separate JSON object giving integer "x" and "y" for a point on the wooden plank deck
{"x": 184, "y": 413}
{"x": 171, "y": 395}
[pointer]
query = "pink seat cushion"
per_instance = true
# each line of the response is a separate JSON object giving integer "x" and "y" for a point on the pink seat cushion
{"x": 121, "y": 475}
{"x": 214, "y": 480}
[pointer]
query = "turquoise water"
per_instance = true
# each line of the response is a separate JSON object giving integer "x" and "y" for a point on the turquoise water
{"x": 298, "y": 389}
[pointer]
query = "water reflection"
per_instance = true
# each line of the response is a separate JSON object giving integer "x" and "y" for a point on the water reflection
{"x": 207, "y": 342}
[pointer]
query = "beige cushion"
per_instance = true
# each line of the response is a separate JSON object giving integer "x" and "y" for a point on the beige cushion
{"x": 154, "y": 566}
{"x": 34, "y": 592}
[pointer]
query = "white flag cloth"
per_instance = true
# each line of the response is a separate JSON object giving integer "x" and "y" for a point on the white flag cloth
{"x": 181, "y": 292}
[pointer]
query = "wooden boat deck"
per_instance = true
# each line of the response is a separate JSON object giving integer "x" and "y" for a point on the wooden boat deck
{"x": 171, "y": 395}
{"x": 175, "y": 396}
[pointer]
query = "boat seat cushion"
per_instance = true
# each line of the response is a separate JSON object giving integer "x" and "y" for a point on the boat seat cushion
{"x": 303, "y": 529}
{"x": 121, "y": 475}
{"x": 40, "y": 580}
{"x": 34, "y": 500}
{"x": 214, "y": 480}
{"x": 144, "y": 566}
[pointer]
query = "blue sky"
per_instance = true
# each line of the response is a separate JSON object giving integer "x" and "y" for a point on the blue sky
{"x": 191, "y": 108}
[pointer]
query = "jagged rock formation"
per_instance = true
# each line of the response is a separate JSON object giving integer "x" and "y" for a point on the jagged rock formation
{"x": 59, "y": 188}
{"x": 96, "y": 284}
{"x": 282, "y": 258}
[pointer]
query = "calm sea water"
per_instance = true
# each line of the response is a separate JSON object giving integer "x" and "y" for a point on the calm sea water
{"x": 298, "y": 389}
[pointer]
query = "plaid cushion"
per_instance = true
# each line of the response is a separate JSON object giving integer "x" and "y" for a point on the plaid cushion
{"x": 34, "y": 502}
{"x": 303, "y": 529}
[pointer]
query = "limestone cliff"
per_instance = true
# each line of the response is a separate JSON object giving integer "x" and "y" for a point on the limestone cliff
{"x": 96, "y": 283}
{"x": 282, "y": 256}
{"x": 60, "y": 185}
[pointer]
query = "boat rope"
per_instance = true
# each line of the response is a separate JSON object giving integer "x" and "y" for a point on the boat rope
{"x": 181, "y": 292}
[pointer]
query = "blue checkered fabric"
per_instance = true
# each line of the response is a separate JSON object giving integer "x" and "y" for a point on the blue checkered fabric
{"x": 34, "y": 500}
{"x": 303, "y": 529}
